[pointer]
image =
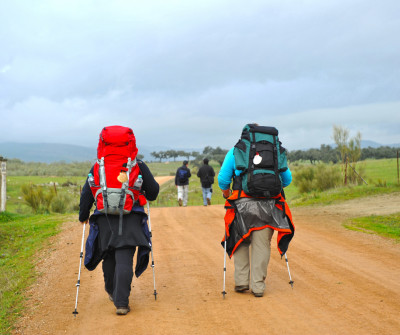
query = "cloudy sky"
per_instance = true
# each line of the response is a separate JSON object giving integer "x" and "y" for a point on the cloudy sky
{"x": 187, "y": 74}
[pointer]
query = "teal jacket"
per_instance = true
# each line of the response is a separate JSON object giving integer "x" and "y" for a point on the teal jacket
{"x": 228, "y": 171}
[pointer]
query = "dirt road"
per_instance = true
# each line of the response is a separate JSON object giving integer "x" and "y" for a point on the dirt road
{"x": 346, "y": 282}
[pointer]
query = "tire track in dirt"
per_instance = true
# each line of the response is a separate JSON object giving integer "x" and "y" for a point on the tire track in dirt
{"x": 345, "y": 281}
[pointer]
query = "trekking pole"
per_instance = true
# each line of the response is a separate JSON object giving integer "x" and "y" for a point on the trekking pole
{"x": 290, "y": 277}
{"x": 223, "y": 289}
{"x": 79, "y": 273}
{"x": 151, "y": 249}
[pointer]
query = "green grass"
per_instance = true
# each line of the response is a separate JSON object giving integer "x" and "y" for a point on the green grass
{"x": 381, "y": 176}
{"x": 16, "y": 204}
{"x": 388, "y": 225}
{"x": 20, "y": 239}
{"x": 164, "y": 168}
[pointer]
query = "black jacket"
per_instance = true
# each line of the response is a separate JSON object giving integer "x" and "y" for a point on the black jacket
{"x": 206, "y": 174}
{"x": 185, "y": 181}
{"x": 150, "y": 187}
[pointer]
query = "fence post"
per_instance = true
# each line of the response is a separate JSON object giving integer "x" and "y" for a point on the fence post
{"x": 398, "y": 167}
{"x": 3, "y": 184}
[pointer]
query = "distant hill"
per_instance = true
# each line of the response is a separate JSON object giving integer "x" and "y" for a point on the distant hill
{"x": 372, "y": 144}
{"x": 53, "y": 152}
{"x": 47, "y": 152}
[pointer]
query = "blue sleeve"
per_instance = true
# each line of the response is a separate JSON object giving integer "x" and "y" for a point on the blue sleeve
{"x": 286, "y": 178}
{"x": 227, "y": 171}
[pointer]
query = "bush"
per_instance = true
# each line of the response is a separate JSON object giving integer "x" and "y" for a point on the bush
{"x": 60, "y": 204}
{"x": 304, "y": 178}
{"x": 37, "y": 198}
{"x": 327, "y": 177}
{"x": 321, "y": 177}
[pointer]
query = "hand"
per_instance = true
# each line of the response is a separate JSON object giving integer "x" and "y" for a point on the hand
{"x": 84, "y": 222}
{"x": 226, "y": 193}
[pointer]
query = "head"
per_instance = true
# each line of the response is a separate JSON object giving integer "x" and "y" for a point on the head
{"x": 185, "y": 162}
{"x": 205, "y": 161}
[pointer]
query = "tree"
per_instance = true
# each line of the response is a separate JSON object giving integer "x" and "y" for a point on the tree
{"x": 156, "y": 155}
{"x": 341, "y": 137}
{"x": 349, "y": 149}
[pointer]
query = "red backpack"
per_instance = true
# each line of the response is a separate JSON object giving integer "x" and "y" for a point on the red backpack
{"x": 117, "y": 180}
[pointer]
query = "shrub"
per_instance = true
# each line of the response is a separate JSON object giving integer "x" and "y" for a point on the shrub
{"x": 60, "y": 204}
{"x": 327, "y": 177}
{"x": 317, "y": 178}
{"x": 37, "y": 198}
{"x": 304, "y": 179}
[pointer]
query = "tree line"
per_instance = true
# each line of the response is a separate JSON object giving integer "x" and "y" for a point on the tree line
{"x": 211, "y": 153}
{"x": 329, "y": 154}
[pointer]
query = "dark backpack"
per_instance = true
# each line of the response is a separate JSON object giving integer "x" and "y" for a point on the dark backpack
{"x": 260, "y": 157}
{"x": 182, "y": 175}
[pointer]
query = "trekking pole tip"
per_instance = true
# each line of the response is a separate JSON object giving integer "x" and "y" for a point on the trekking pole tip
{"x": 291, "y": 283}
{"x": 223, "y": 294}
{"x": 75, "y": 312}
{"x": 155, "y": 295}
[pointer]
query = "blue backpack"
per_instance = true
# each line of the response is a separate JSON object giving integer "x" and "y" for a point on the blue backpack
{"x": 182, "y": 175}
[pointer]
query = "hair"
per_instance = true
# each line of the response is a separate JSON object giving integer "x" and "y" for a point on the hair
{"x": 205, "y": 160}
{"x": 185, "y": 162}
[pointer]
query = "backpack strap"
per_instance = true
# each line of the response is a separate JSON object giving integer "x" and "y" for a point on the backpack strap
{"x": 124, "y": 187}
{"x": 103, "y": 182}
{"x": 276, "y": 169}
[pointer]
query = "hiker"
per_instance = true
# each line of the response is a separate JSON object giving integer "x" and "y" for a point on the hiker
{"x": 256, "y": 205}
{"x": 206, "y": 174}
{"x": 182, "y": 183}
{"x": 117, "y": 227}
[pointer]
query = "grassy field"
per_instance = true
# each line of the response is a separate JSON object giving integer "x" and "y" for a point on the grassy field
{"x": 15, "y": 202}
{"x": 20, "y": 239}
{"x": 388, "y": 225}
{"x": 381, "y": 176}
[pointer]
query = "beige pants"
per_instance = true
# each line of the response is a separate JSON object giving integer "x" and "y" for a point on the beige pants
{"x": 260, "y": 242}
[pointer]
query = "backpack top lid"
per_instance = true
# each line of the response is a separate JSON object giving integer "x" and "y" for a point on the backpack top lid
{"x": 117, "y": 140}
{"x": 260, "y": 129}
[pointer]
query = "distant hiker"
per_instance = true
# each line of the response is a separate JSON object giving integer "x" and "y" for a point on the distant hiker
{"x": 256, "y": 206}
{"x": 182, "y": 183}
{"x": 119, "y": 184}
{"x": 206, "y": 174}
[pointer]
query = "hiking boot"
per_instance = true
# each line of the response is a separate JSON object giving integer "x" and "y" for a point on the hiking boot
{"x": 180, "y": 202}
{"x": 258, "y": 294}
{"x": 123, "y": 310}
{"x": 208, "y": 201}
{"x": 241, "y": 288}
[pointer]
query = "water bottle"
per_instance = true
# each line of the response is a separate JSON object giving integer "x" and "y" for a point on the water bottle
{"x": 91, "y": 180}
{"x": 138, "y": 183}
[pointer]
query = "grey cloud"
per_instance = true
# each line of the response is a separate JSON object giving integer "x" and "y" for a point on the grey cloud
{"x": 197, "y": 70}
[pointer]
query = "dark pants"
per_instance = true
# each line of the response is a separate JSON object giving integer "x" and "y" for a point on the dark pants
{"x": 118, "y": 274}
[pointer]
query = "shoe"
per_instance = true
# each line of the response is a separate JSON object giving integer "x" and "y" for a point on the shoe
{"x": 241, "y": 288}
{"x": 123, "y": 310}
{"x": 110, "y": 297}
{"x": 208, "y": 201}
{"x": 258, "y": 294}
{"x": 180, "y": 202}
